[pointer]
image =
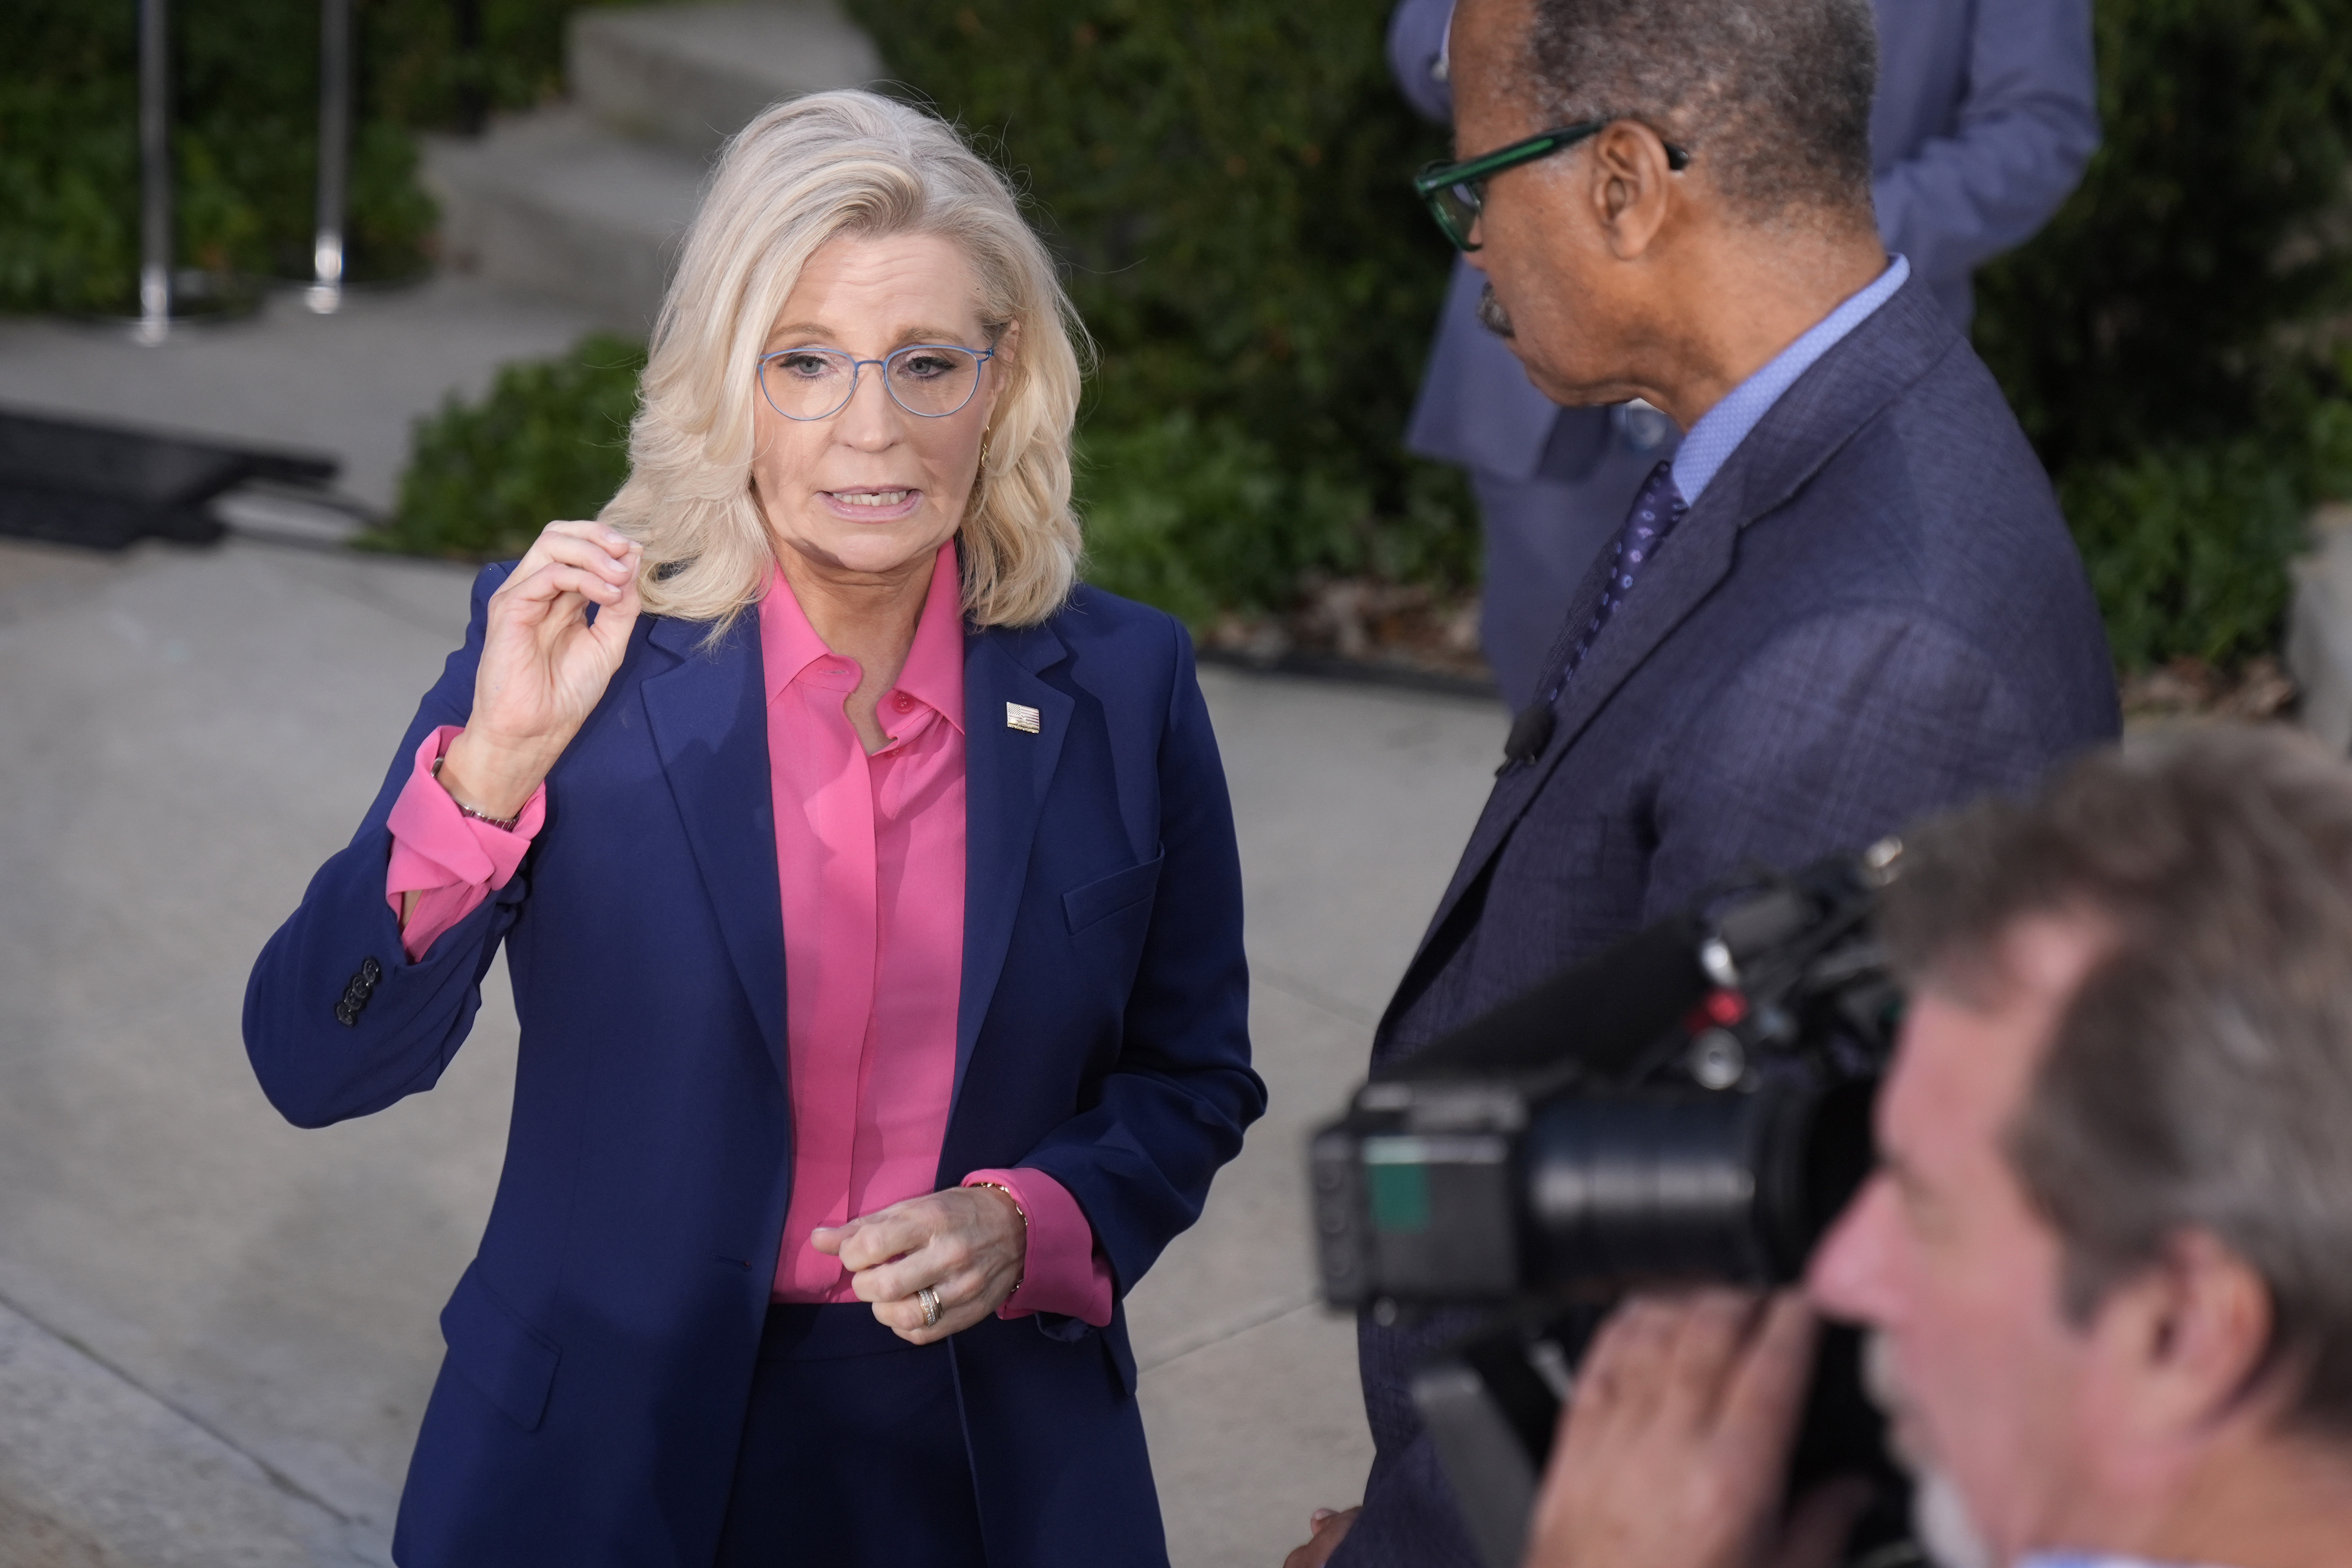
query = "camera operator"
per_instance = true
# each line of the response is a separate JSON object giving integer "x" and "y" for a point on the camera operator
{"x": 1847, "y": 601}
{"x": 2108, "y": 1250}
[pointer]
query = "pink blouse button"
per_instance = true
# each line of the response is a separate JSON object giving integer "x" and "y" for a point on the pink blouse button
{"x": 904, "y": 704}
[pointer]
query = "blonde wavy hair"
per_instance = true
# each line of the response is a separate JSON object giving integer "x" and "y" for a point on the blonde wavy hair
{"x": 807, "y": 170}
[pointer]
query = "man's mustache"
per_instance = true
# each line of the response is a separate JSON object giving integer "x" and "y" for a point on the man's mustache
{"x": 1491, "y": 314}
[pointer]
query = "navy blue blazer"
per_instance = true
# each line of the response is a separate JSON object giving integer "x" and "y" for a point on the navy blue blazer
{"x": 1986, "y": 114}
{"x": 1871, "y": 612}
{"x": 602, "y": 1341}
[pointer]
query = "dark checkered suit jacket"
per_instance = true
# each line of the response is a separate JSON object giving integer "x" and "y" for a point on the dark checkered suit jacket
{"x": 1873, "y": 612}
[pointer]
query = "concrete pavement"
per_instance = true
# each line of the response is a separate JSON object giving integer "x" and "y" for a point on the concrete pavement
{"x": 218, "y": 1332}
{"x": 349, "y": 384}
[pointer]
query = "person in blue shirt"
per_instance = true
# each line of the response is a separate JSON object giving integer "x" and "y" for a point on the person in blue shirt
{"x": 2106, "y": 1257}
{"x": 1985, "y": 115}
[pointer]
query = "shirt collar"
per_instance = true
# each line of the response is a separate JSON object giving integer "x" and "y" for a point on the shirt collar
{"x": 1721, "y": 429}
{"x": 788, "y": 644}
{"x": 934, "y": 670}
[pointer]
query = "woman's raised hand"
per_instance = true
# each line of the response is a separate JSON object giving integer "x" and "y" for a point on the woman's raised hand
{"x": 544, "y": 667}
{"x": 968, "y": 1244}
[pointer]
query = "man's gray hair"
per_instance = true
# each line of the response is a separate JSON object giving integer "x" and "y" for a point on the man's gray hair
{"x": 2201, "y": 1076}
{"x": 1772, "y": 94}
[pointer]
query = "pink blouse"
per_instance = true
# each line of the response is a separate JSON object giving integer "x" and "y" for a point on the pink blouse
{"x": 870, "y": 863}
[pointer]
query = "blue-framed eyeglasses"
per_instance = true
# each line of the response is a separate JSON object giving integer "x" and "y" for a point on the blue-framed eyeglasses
{"x": 930, "y": 381}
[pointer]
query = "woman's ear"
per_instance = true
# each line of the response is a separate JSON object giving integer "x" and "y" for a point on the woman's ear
{"x": 1008, "y": 346}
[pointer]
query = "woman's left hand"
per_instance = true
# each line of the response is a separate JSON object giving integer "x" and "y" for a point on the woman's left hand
{"x": 968, "y": 1244}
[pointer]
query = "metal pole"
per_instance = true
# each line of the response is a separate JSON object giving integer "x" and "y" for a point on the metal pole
{"x": 326, "y": 291}
{"x": 155, "y": 173}
{"x": 473, "y": 102}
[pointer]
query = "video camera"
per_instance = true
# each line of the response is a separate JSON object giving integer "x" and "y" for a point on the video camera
{"x": 1691, "y": 1106}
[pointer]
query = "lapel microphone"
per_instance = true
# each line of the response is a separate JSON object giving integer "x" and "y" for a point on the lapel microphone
{"x": 1530, "y": 733}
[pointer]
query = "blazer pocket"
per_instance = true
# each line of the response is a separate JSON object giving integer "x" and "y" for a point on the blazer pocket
{"x": 511, "y": 1363}
{"x": 1105, "y": 896}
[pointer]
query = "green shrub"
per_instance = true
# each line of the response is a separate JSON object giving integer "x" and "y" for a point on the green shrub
{"x": 551, "y": 440}
{"x": 245, "y": 86}
{"x": 2154, "y": 338}
{"x": 1226, "y": 181}
{"x": 1199, "y": 517}
{"x": 2188, "y": 545}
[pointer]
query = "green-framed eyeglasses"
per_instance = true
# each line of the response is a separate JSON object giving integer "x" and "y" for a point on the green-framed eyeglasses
{"x": 1456, "y": 192}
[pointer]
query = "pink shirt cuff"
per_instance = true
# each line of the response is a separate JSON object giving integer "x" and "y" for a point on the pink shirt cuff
{"x": 1065, "y": 1272}
{"x": 449, "y": 860}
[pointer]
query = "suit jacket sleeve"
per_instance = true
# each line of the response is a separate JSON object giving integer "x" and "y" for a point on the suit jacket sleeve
{"x": 1173, "y": 1108}
{"x": 1416, "y": 41}
{"x": 2027, "y": 123}
{"x": 315, "y": 1070}
{"x": 1842, "y": 730}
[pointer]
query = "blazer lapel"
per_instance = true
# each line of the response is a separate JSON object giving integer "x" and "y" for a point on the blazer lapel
{"x": 1006, "y": 772}
{"x": 709, "y": 719}
{"x": 1696, "y": 557}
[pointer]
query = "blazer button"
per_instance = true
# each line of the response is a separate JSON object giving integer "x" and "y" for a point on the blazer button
{"x": 346, "y": 1015}
{"x": 355, "y": 996}
{"x": 370, "y": 971}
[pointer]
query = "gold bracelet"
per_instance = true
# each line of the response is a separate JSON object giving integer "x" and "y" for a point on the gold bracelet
{"x": 1015, "y": 1202}
{"x": 1023, "y": 1277}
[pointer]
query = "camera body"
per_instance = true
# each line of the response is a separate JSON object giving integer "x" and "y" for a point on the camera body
{"x": 1690, "y": 1106}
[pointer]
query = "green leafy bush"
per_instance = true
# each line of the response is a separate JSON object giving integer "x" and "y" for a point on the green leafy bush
{"x": 550, "y": 440}
{"x": 2157, "y": 339}
{"x": 1227, "y": 180}
{"x": 2187, "y": 544}
{"x": 245, "y": 86}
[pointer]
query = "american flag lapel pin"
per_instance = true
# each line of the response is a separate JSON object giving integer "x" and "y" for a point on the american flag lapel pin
{"x": 1017, "y": 717}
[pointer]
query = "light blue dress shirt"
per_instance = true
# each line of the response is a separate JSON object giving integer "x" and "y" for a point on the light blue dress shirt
{"x": 1711, "y": 441}
{"x": 2082, "y": 1560}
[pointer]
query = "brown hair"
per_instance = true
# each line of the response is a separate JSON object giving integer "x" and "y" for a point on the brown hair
{"x": 2201, "y": 1076}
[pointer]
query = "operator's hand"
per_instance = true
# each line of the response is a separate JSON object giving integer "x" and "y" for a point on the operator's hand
{"x": 1325, "y": 1530}
{"x": 1674, "y": 1452}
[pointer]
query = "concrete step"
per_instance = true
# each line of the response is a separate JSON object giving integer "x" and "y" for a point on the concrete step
{"x": 555, "y": 203}
{"x": 693, "y": 75}
{"x": 586, "y": 202}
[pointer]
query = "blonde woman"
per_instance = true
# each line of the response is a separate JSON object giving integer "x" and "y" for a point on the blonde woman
{"x": 870, "y": 897}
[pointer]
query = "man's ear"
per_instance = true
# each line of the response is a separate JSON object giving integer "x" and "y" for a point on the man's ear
{"x": 1633, "y": 190}
{"x": 2182, "y": 1342}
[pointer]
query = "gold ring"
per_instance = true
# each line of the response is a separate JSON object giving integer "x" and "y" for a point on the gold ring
{"x": 931, "y": 1300}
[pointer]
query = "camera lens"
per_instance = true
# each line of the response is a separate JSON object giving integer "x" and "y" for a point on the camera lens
{"x": 1681, "y": 1185}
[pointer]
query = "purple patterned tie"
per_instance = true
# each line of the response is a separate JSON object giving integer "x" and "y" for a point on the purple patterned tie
{"x": 1656, "y": 512}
